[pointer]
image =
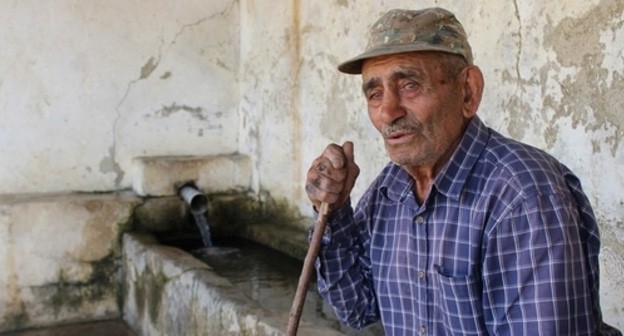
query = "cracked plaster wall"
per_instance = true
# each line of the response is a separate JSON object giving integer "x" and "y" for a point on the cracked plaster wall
{"x": 85, "y": 86}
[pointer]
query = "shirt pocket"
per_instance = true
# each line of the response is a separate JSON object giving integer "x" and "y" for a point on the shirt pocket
{"x": 460, "y": 303}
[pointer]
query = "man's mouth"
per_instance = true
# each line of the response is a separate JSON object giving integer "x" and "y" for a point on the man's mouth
{"x": 399, "y": 137}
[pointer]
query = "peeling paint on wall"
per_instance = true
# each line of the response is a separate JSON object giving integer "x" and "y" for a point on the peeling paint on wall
{"x": 148, "y": 68}
{"x": 109, "y": 165}
{"x": 592, "y": 97}
{"x": 206, "y": 120}
{"x": 196, "y": 112}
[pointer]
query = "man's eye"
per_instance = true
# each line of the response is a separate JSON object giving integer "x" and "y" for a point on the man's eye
{"x": 374, "y": 96}
{"x": 410, "y": 89}
{"x": 409, "y": 85}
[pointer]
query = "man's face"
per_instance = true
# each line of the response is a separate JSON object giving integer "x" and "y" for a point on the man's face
{"x": 416, "y": 107}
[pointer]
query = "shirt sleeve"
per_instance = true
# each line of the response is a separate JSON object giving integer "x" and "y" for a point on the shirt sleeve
{"x": 343, "y": 269}
{"x": 538, "y": 278}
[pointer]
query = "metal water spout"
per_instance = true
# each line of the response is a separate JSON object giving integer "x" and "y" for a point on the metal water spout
{"x": 196, "y": 200}
{"x": 198, "y": 203}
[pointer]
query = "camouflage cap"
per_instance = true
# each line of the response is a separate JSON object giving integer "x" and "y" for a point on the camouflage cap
{"x": 400, "y": 31}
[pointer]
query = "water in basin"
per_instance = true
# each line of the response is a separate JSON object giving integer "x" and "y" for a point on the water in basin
{"x": 270, "y": 278}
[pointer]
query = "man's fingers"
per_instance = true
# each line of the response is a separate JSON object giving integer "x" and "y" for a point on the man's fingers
{"x": 325, "y": 167}
{"x": 322, "y": 195}
{"x": 332, "y": 175}
{"x": 336, "y": 161}
{"x": 335, "y": 155}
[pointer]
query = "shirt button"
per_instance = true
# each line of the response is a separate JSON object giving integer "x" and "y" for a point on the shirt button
{"x": 422, "y": 329}
{"x": 419, "y": 220}
{"x": 421, "y": 274}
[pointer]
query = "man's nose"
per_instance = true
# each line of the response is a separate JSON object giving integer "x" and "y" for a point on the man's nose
{"x": 391, "y": 108}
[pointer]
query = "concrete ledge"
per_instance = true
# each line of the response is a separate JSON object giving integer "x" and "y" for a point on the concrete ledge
{"x": 169, "y": 292}
{"x": 163, "y": 176}
{"x": 290, "y": 241}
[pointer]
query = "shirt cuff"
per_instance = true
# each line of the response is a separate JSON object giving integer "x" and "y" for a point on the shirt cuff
{"x": 340, "y": 227}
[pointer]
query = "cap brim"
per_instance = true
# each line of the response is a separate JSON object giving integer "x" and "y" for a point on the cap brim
{"x": 353, "y": 66}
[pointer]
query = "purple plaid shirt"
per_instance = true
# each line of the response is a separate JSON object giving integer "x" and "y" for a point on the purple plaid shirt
{"x": 506, "y": 243}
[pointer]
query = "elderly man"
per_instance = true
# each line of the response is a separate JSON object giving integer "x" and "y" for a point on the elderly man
{"x": 464, "y": 232}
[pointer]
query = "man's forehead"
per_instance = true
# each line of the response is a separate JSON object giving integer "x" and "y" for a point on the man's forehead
{"x": 422, "y": 59}
{"x": 399, "y": 65}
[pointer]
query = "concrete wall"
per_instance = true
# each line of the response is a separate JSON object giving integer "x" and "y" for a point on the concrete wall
{"x": 59, "y": 258}
{"x": 87, "y": 86}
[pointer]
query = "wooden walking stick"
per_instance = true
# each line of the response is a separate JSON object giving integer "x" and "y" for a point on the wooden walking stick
{"x": 307, "y": 271}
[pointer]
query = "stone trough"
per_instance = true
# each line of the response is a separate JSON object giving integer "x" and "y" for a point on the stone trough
{"x": 169, "y": 292}
{"x": 86, "y": 257}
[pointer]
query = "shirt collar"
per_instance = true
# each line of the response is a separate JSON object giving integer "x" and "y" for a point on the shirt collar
{"x": 451, "y": 179}
{"x": 397, "y": 184}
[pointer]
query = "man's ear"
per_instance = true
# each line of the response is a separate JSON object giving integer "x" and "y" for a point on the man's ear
{"x": 473, "y": 84}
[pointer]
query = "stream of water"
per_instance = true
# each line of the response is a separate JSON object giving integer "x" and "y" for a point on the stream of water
{"x": 201, "y": 221}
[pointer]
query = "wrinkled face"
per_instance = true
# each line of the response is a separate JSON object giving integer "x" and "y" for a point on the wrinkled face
{"x": 416, "y": 106}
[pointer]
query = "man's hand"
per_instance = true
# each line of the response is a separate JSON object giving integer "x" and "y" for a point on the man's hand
{"x": 332, "y": 176}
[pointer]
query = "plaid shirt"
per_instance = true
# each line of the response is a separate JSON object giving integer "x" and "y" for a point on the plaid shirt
{"x": 506, "y": 243}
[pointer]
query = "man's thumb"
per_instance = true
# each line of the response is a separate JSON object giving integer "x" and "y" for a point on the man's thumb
{"x": 347, "y": 147}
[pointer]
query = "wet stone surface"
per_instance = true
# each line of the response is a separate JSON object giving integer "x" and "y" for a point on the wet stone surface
{"x": 100, "y": 328}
